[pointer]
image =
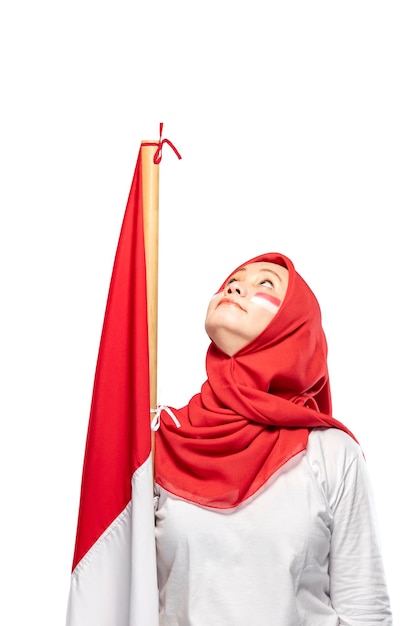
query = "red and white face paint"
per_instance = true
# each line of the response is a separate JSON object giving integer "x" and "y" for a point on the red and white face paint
{"x": 267, "y": 301}
{"x": 245, "y": 305}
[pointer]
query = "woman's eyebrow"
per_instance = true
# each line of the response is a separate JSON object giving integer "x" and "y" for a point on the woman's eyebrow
{"x": 266, "y": 269}
{"x": 241, "y": 269}
{"x": 263, "y": 269}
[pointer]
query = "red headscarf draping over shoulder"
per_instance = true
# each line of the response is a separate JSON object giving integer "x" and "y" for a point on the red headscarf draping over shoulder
{"x": 256, "y": 408}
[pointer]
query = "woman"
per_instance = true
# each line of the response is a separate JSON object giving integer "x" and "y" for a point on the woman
{"x": 264, "y": 512}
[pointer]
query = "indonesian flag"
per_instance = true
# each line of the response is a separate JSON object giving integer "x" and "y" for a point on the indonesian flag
{"x": 114, "y": 580}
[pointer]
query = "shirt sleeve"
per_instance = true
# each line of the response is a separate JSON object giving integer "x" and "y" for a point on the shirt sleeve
{"x": 358, "y": 589}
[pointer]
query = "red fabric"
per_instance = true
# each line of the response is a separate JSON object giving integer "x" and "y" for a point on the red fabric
{"x": 119, "y": 434}
{"x": 256, "y": 408}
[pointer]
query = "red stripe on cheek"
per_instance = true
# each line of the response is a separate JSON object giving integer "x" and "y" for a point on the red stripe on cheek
{"x": 269, "y": 298}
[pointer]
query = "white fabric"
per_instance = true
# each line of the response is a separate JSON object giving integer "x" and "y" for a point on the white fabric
{"x": 115, "y": 584}
{"x": 304, "y": 551}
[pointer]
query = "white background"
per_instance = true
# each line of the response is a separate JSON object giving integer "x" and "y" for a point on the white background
{"x": 297, "y": 124}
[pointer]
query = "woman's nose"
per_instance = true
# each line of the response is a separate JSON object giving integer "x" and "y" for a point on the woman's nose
{"x": 236, "y": 288}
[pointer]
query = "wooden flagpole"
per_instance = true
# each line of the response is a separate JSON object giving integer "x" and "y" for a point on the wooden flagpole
{"x": 150, "y": 205}
{"x": 151, "y": 152}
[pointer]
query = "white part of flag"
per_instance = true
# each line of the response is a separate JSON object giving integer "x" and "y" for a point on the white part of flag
{"x": 115, "y": 583}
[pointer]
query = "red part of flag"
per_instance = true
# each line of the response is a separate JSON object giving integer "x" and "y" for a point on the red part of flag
{"x": 119, "y": 433}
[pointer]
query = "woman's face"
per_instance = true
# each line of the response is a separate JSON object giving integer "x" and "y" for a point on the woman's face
{"x": 247, "y": 304}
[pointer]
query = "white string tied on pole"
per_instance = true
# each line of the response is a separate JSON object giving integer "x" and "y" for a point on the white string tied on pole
{"x": 156, "y": 420}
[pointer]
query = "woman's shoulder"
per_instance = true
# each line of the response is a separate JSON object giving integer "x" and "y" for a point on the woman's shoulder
{"x": 332, "y": 441}
{"x": 332, "y": 454}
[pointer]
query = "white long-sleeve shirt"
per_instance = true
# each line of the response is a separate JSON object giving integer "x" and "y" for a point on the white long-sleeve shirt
{"x": 304, "y": 551}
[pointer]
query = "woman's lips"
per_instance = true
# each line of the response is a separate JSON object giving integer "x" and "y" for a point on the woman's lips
{"x": 229, "y": 301}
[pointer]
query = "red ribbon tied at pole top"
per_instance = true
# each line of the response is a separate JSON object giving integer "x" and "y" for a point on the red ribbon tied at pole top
{"x": 159, "y": 152}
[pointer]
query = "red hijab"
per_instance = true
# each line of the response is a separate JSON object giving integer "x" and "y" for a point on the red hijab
{"x": 256, "y": 408}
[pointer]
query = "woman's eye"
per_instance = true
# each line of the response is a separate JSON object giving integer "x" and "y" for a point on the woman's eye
{"x": 231, "y": 280}
{"x": 266, "y": 283}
